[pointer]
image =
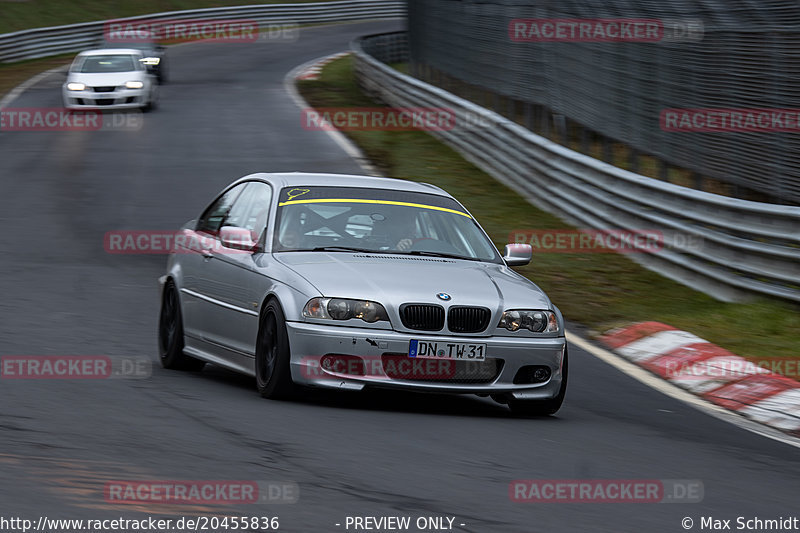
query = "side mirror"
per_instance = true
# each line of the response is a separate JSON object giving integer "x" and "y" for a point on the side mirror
{"x": 517, "y": 254}
{"x": 237, "y": 238}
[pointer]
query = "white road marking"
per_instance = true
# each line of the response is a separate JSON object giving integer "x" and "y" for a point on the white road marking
{"x": 344, "y": 143}
{"x": 673, "y": 391}
{"x": 14, "y": 93}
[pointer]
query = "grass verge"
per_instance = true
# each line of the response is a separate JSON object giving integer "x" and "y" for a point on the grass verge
{"x": 599, "y": 291}
{"x": 13, "y": 74}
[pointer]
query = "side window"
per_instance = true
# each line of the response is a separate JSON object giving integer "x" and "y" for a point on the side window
{"x": 251, "y": 209}
{"x": 211, "y": 220}
{"x": 258, "y": 216}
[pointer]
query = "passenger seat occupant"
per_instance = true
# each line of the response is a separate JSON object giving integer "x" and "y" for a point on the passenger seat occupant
{"x": 290, "y": 239}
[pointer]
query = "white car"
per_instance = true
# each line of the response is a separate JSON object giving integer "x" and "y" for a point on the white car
{"x": 113, "y": 78}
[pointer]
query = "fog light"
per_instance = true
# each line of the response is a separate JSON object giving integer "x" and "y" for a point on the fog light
{"x": 343, "y": 364}
{"x": 532, "y": 374}
{"x": 541, "y": 374}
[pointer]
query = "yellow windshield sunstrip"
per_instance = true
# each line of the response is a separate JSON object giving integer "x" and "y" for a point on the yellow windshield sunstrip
{"x": 368, "y": 201}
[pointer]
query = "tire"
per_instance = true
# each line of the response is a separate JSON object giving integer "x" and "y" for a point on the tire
{"x": 152, "y": 100}
{"x": 162, "y": 72}
{"x": 170, "y": 333}
{"x": 273, "y": 371}
{"x": 530, "y": 408}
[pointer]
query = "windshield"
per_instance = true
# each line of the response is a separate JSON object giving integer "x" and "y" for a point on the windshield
{"x": 377, "y": 221}
{"x": 107, "y": 63}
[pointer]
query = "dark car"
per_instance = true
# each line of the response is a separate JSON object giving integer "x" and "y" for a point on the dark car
{"x": 155, "y": 55}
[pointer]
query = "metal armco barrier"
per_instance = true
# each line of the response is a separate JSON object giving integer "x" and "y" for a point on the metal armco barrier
{"x": 42, "y": 42}
{"x": 725, "y": 247}
{"x": 712, "y": 55}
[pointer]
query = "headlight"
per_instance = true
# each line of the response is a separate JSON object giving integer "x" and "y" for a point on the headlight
{"x": 532, "y": 320}
{"x": 134, "y": 84}
{"x": 72, "y": 86}
{"x": 150, "y": 60}
{"x": 343, "y": 309}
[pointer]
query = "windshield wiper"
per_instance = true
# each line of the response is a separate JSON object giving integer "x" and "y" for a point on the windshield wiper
{"x": 441, "y": 254}
{"x": 346, "y": 249}
{"x": 391, "y": 252}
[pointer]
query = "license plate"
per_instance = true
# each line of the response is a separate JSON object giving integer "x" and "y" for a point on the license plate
{"x": 463, "y": 351}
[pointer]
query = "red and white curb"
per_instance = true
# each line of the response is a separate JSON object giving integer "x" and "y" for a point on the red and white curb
{"x": 711, "y": 372}
{"x": 312, "y": 72}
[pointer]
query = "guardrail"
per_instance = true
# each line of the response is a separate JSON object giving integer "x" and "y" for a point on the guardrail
{"x": 746, "y": 247}
{"x": 42, "y": 42}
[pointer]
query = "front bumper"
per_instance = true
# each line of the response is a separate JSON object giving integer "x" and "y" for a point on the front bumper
{"x": 386, "y": 363}
{"x": 120, "y": 98}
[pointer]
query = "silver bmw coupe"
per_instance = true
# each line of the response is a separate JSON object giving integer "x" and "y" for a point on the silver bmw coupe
{"x": 349, "y": 282}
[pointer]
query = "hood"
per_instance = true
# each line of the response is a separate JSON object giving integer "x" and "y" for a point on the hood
{"x": 396, "y": 279}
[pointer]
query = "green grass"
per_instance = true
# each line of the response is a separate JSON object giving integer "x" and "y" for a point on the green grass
{"x": 13, "y": 74}
{"x": 599, "y": 291}
{"x": 23, "y": 14}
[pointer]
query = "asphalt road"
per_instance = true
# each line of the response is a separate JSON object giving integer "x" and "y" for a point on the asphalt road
{"x": 226, "y": 114}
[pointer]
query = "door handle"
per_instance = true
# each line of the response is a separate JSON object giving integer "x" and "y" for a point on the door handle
{"x": 207, "y": 253}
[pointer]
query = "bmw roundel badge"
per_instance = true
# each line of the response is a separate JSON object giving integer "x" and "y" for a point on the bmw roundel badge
{"x": 443, "y": 296}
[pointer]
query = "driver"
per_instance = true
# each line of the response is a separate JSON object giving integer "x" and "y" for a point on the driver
{"x": 407, "y": 232}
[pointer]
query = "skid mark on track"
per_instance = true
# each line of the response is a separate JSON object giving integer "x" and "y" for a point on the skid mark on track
{"x": 80, "y": 483}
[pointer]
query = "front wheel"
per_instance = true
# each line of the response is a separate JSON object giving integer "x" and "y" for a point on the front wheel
{"x": 161, "y": 76}
{"x": 542, "y": 407}
{"x": 273, "y": 372}
{"x": 170, "y": 333}
{"x": 152, "y": 99}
